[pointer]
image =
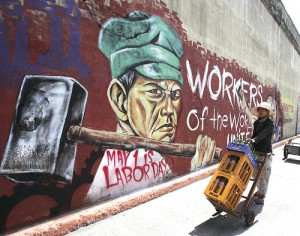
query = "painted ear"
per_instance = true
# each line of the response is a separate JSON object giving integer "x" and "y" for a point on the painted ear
{"x": 116, "y": 94}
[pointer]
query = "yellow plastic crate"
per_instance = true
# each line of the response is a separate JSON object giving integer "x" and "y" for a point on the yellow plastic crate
{"x": 224, "y": 189}
{"x": 237, "y": 164}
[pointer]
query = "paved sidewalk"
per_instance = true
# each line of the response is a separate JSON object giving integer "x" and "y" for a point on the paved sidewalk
{"x": 185, "y": 211}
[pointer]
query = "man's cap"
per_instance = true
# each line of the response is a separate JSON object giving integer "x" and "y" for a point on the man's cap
{"x": 262, "y": 105}
{"x": 142, "y": 42}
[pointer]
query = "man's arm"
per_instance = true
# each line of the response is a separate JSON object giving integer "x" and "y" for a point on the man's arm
{"x": 268, "y": 129}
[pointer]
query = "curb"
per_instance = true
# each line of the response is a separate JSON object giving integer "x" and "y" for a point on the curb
{"x": 285, "y": 141}
{"x": 69, "y": 222}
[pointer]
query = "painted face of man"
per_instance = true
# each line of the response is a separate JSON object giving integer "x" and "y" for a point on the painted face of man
{"x": 154, "y": 107}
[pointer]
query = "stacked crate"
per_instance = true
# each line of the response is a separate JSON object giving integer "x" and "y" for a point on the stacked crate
{"x": 232, "y": 176}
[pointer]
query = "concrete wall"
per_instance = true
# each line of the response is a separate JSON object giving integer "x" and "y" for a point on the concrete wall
{"x": 199, "y": 66}
{"x": 259, "y": 35}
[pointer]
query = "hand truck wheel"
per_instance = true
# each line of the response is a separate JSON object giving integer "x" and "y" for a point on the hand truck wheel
{"x": 249, "y": 219}
{"x": 285, "y": 152}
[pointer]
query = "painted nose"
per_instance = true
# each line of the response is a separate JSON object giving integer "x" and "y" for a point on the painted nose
{"x": 168, "y": 109}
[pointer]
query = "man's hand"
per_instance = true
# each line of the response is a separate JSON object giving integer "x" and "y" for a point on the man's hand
{"x": 250, "y": 140}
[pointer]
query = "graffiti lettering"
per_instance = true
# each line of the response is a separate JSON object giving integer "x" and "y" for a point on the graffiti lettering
{"x": 240, "y": 121}
{"x": 240, "y": 135}
{"x": 123, "y": 167}
{"x": 193, "y": 113}
{"x": 224, "y": 83}
{"x": 121, "y": 158}
{"x": 219, "y": 121}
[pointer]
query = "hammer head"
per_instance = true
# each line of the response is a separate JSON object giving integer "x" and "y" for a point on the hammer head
{"x": 37, "y": 148}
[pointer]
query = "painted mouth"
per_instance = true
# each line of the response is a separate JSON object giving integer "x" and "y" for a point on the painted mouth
{"x": 165, "y": 128}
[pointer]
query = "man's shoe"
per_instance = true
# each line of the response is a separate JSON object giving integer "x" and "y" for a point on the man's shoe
{"x": 260, "y": 200}
{"x": 258, "y": 195}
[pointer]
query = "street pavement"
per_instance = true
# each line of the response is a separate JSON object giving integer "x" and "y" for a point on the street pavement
{"x": 186, "y": 211}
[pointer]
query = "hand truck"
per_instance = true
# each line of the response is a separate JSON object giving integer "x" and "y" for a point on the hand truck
{"x": 229, "y": 182}
{"x": 291, "y": 148}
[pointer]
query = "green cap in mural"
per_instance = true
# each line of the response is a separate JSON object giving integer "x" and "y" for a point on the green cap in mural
{"x": 142, "y": 42}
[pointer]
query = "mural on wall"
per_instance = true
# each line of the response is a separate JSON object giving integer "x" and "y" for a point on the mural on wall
{"x": 146, "y": 106}
{"x": 298, "y": 115}
{"x": 276, "y": 104}
{"x": 288, "y": 109}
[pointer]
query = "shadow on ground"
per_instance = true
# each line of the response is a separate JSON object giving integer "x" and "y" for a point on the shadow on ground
{"x": 226, "y": 224}
{"x": 292, "y": 160}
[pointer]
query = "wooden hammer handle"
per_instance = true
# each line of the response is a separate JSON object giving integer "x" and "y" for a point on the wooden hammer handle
{"x": 115, "y": 140}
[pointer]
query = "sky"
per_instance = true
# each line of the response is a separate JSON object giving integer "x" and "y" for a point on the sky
{"x": 292, "y": 7}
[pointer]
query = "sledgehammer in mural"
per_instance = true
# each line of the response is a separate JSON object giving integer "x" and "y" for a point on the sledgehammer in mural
{"x": 37, "y": 147}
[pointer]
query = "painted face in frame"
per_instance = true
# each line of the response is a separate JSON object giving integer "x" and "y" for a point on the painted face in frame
{"x": 154, "y": 107}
